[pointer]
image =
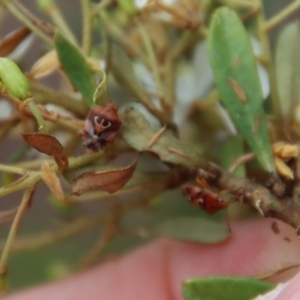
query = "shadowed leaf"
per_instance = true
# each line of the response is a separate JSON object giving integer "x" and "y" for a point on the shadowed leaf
{"x": 76, "y": 67}
{"x": 137, "y": 132}
{"x": 193, "y": 230}
{"x": 109, "y": 181}
{"x": 52, "y": 181}
{"x": 224, "y": 288}
{"x": 48, "y": 144}
{"x": 12, "y": 40}
{"x": 238, "y": 83}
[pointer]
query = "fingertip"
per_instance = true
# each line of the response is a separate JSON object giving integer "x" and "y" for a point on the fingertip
{"x": 157, "y": 270}
{"x": 291, "y": 291}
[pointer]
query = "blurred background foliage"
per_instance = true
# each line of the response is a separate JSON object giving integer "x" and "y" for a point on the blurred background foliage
{"x": 61, "y": 258}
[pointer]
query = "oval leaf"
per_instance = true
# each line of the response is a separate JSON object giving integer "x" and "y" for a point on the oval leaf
{"x": 110, "y": 181}
{"x": 224, "y": 288}
{"x": 49, "y": 145}
{"x": 197, "y": 230}
{"x": 76, "y": 67}
{"x": 237, "y": 80}
{"x": 137, "y": 132}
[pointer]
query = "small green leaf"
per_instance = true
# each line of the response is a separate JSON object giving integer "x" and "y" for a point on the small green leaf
{"x": 224, "y": 288}
{"x": 190, "y": 229}
{"x": 137, "y": 132}
{"x": 13, "y": 79}
{"x": 287, "y": 62}
{"x": 76, "y": 67}
{"x": 237, "y": 80}
{"x": 100, "y": 95}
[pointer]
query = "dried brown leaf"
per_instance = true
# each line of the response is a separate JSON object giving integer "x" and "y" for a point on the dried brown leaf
{"x": 52, "y": 181}
{"x": 110, "y": 181}
{"x": 45, "y": 65}
{"x": 12, "y": 40}
{"x": 48, "y": 144}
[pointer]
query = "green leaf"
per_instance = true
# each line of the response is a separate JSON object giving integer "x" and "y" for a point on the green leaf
{"x": 190, "y": 229}
{"x": 287, "y": 62}
{"x": 76, "y": 67}
{"x": 224, "y": 288}
{"x": 237, "y": 80}
{"x": 137, "y": 132}
{"x": 101, "y": 94}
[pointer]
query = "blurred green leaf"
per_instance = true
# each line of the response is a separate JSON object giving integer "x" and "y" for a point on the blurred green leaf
{"x": 224, "y": 288}
{"x": 137, "y": 132}
{"x": 287, "y": 62}
{"x": 237, "y": 80}
{"x": 76, "y": 67}
{"x": 191, "y": 229}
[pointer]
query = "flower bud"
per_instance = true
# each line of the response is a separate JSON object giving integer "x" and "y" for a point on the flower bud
{"x": 13, "y": 79}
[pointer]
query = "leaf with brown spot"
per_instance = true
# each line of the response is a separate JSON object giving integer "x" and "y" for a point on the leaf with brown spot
{"x": 52, "y": 181}
{"x": 48, "y": 144}
{"x": 110, "y": 181}
{"x": 12, "y": 40}
{"x": 238, "y": 90}
{"x": 238, "y": 84}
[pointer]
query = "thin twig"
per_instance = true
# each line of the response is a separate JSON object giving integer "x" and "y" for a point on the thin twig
{"x": 284, "y": 14}
{"x": 87, "y": 26}
{"x": 13, "y": 231}
{"x": 55, "y": 14}
{"x": 40, "y": 28}
{"x": 100, "y": 6}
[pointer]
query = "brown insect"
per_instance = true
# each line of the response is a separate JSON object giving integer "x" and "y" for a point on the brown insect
{"x": 101, "y": 127}
{"x": 204, "y": 198}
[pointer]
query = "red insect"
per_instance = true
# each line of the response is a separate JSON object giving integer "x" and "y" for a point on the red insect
{"x": 204, "y": 198}
{"x": 101, "y": 127}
